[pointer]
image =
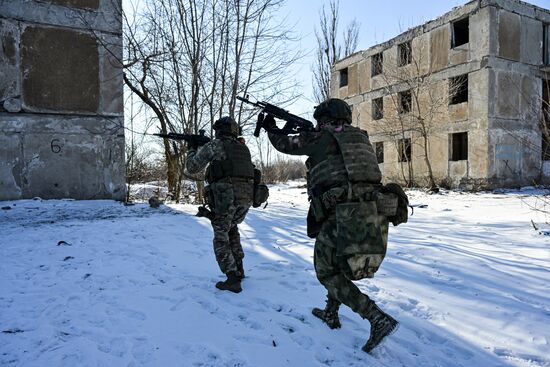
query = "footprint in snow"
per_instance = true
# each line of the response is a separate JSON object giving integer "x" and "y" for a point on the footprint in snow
{"x": 300, "y": 317}
{"x": 243, "y": 318}
{"x": 249, "y": 339}
{"x": 70, "y": 360}
{"x": 268, "y": 266}
{"x": 303, "y": 341}
{"x": 142, "y": 350}
{"x": 133, "y": 314}
{"x": 288, "y": 285}
{"x": 116, "y": 347}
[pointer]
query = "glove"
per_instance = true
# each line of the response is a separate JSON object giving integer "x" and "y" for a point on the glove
{"x": 269, "y": 123}
{"x": 192, "y": 145}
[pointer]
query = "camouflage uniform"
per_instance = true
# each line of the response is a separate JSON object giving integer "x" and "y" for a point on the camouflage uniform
{"x": 230, "y": 200}
{"x": 351, "y": 237}
{"x": 328, "y": 266}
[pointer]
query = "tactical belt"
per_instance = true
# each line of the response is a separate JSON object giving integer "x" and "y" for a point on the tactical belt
{"x": 233, "y": 179}
{"x": 359, "y": 192}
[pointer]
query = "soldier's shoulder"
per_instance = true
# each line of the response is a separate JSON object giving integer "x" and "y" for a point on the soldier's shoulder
{"x": 214, "y": 143}
{"x": 313, "y": 135}
{"x": 216, "y": 146}
{"x": 357, "y": 129}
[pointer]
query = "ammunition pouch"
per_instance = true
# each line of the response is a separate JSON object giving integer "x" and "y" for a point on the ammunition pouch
{"x": 243, "y": 190}
{"x": 317, "y": 210}
{"x": 386, "y": 204}
{"x": 401, "y": 213}
{"x": 261, "y": 191}
{"x": 313, "y": 226}
{"x": 222, "y": 197}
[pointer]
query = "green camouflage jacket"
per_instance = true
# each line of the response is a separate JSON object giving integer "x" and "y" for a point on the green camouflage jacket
{"x": 198, "y": 160}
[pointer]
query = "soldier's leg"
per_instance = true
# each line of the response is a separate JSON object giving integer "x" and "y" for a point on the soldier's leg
{"x": 329, "y": 274}
{"x": 221, "y": 225}
{"x": 338, "y": 286}
{"x": 237, "y": 249}
{"x": 235, "y": 237}
{"x": 344, "y": 290}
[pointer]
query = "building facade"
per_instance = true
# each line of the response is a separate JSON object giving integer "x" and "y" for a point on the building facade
{"x": 61, "y": 99}
{"x": 460, "y": 98}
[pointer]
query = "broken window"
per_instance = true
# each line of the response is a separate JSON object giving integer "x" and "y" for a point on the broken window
{"x": 405, "y": 101}
{"x": 546, "y": 44}
{"x": 343, "y": 77}
{"x": 377, "y": 108}
{"x": 460, "y": 32}
{"x": 404, "y": 53}
{"x": 459, "y": 146}
{"x": 404, "y": 150}
{"x": 458, "y": 89}
{"x": 379, "y": 146}
{"x": 377, "y": 61}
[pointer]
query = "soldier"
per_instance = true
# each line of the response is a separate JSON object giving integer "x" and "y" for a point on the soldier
{"x": 351, "y": 237}
{"x": 230, "y": 176}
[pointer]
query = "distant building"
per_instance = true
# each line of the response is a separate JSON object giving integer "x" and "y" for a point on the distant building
{"x": 61, "y": 102}
{"x": 486, "y": 65}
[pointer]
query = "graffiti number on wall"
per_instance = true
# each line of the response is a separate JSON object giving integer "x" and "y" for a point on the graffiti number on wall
{"x": 56, "y": 148}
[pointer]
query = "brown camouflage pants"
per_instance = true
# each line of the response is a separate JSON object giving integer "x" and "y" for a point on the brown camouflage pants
{"x": 329, "y": 271}
{"x": 227, "y": 240}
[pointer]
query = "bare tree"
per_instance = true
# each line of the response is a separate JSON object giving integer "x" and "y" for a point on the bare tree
{"x": 187, "y": 60}
{"x": 330, "y": 49}
{"x": 419, "y": 99}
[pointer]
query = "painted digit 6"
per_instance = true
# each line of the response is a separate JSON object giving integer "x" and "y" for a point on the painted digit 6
{"x": 56, "y": 148}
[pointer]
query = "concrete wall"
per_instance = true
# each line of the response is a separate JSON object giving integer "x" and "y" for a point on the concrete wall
{"x": 502, "y": 60}
{"x": 61, "y": 103}
{"x": 516, "y": 89}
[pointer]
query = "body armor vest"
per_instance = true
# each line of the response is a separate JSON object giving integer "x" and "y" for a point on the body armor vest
{"x": 353, "y": 162}
{"x": 237, "y": 163}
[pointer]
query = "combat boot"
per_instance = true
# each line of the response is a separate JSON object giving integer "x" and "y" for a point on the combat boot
{"x": 330, "y": 314}
{"x": 240, "y": 269}
{"x": 204, "y": 212}
{"x": 381, "y": 326}
{"x": 233, "y": 283}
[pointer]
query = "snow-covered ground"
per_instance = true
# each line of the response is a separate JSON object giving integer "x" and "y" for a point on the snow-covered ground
{"x": 97, "y": 283}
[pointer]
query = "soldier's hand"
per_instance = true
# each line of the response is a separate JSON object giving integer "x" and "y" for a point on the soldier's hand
{"x": 269, "y": 123}
{"x": 192, "y": 145}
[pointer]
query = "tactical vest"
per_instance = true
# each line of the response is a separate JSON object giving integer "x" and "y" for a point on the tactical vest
{"x": 354, "y": 162}
{"x": 237, "y": 163}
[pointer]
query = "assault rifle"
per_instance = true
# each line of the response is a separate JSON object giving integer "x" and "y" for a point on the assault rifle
{"x": 294, "y": 124}
{"x": 191, "y": 139}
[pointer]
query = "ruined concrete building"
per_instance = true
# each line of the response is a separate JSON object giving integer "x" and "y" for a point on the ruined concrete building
{"x": 61, "y": 103}
{"x": 462, "y": 96}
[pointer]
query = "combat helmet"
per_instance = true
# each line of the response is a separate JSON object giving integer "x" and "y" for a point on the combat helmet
{"x": 226, "y": 126}
{"x": 333, "y": 109}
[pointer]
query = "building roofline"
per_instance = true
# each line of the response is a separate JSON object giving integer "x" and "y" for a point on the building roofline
{"x": 455, "y": 13}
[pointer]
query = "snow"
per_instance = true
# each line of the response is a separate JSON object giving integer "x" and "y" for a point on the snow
{"x": 468, "y": 277}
